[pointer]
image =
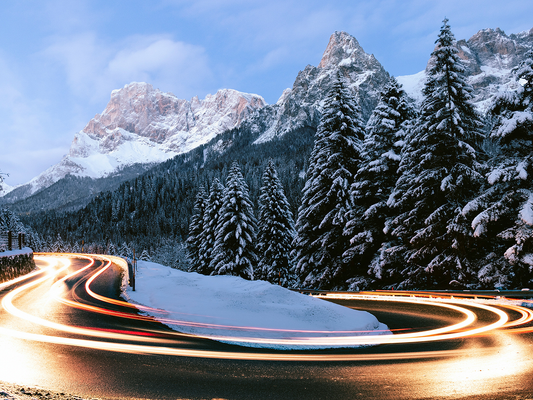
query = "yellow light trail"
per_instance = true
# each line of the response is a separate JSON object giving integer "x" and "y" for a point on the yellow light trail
{"x": 58, "y": 265}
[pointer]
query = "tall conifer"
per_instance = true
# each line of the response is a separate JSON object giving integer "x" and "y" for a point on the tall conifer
{"x": 438, "y": 177}
{"x": 211, "y": 221}
{"x": 196, "y": 228}
{"x": 320, "y": 242}
{"x": 376, "y": 178}
{"x": 276, "y": 230}
{"x": 502, "y": 216}
{"x": 234, "y": 252}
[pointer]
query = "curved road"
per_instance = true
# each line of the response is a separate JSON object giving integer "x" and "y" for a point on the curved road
{"x": 66, "y": 329}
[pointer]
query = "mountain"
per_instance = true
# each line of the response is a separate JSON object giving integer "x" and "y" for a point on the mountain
{"x": 301, "y": 105}
{"x": 489, "y": 57}
{"x": 142, "y": 125}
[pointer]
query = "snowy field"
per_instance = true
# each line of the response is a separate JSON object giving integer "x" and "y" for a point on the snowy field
{"x": 250, "y": 313}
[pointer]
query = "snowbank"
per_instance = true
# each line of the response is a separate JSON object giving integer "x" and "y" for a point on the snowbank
{"x": 228, "y": 308}
{"x": 17, "y": 252}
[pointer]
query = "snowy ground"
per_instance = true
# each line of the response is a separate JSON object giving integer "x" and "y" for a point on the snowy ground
{"x": 250, "y": 313}
{"x": 16, "y": 252}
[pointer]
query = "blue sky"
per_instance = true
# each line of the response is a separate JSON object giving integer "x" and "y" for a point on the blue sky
{"x": 60, "y": 60}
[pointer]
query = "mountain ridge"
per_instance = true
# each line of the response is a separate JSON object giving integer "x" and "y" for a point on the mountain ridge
{"x": 489, "y": 57}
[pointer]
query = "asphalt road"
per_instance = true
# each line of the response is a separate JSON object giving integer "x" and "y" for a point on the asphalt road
{"x": 42, "y": 345}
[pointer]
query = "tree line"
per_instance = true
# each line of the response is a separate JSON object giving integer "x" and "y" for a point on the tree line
{"x": 427, "y": 196}
{"x": 418, "y": 198}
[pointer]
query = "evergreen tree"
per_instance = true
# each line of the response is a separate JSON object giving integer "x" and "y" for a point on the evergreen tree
{"x": 211, "y": 221}
{"x": 124, "y": 250}
{"x": 234, "y": 252}
{"x": 376, "y": 178}
{"x": 145, "y": 256}
{"x": 438, "y": 178}
{"x": 196, "y": 229}
{"x": 276, "y": 230}
{"x": 502, "y": 216}
{"x": 59, "y": 245}
{"x": 320, "y": 243}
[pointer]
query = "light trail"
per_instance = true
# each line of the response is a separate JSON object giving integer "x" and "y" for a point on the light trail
{"x": 150, "y": 341}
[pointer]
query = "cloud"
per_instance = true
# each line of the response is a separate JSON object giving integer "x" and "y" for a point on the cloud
{"x": 94, "y": 68}
{"x": 163, "y": 62}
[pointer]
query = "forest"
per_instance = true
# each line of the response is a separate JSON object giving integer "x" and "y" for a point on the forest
{"x": 421, "y": 196}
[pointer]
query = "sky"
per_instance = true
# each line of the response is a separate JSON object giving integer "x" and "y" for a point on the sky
{"x": 60, "y": 59}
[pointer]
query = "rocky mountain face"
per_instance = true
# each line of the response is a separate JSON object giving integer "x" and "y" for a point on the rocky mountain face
{"x": 144, "y": 125}
{"x": 489, "y": 57}
{"x": 301, "y": 105}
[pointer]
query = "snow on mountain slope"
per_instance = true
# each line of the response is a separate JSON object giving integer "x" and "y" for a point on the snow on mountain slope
{"x": 489, "y": 57}
{"x": 301, "y": 105}
{"x": 5, "y": 189}
{"x": 144, "y": 125}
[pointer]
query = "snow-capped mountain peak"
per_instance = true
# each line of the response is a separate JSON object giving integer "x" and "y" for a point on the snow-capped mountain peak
{"x": 301, "y": 105}
{"x": 344, "y": 49}
{"x": 141, "y": 124}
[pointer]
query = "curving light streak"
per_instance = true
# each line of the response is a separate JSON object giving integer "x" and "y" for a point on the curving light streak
{"x": 147, "y": 338}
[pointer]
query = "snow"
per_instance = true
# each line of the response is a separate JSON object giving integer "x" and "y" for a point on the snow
{"x": 526, "y": 214}
{"x": 17, "y": 252}
{"x": 413, "y": 84}
{"x": 218, "y": 307}
{"x": 5, "y": 189}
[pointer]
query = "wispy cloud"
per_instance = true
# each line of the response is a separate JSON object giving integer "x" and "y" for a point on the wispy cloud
{"x": 94, "y": 68}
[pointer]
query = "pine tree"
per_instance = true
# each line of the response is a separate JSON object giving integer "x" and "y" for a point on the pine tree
{"x": 196, "y": 228}
{"x": 145, "y": 256}
{"x": 319, "y": 244}
{"x": 502, "y": 216}
{"x": 59, "y": 245}
{"x": 124, "y": 250}
{"x": 211, "y": 221}
{"x": 438, "y": 178}
{"x": 234, "y": 252}
{"x": 276, "y": 230}
{"x": 375, "y": 179}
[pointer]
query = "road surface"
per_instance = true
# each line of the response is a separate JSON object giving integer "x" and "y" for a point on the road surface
{"x": 67, "y": 330}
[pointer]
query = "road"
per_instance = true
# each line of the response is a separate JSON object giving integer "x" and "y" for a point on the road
{"x": 66, "y": 329}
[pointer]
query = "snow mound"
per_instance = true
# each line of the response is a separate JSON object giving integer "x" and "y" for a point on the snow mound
{"x": 250, "y": 313}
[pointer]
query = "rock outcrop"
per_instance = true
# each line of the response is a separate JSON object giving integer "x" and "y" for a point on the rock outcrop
{"x": 302, "y": 104}
{"x": 144, "y": 125}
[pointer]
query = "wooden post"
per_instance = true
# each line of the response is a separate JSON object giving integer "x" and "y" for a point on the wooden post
{"x": 20, "y": 241}
{"x": 9, "y": 240}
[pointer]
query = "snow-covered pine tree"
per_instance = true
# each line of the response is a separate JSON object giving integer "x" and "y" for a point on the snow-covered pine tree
{"x": 196, "y": 228}
{"x": 234, "y": 252}
{"x": 124, "y": 250}
{"x": 320, "y": 243}
{"x": 59, "y": 245}
{"x": 276, "y": 230}
{"x": 145, "y": 256}
{"x": 502, "y": 216}
{"x": 207, "y": 238}
{"x": 438, "y": 178}
{"x": 375, "y": 180}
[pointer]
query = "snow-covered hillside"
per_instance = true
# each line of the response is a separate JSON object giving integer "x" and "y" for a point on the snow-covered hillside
{"x": 250, "y": 313}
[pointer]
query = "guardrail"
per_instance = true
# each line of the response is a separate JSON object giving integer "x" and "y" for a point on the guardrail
{"x": 474, "y": 294}
{"x": 10, "y": 241}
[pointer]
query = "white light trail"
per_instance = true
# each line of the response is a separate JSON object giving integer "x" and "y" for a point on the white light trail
{"x": 148, "y": 342}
